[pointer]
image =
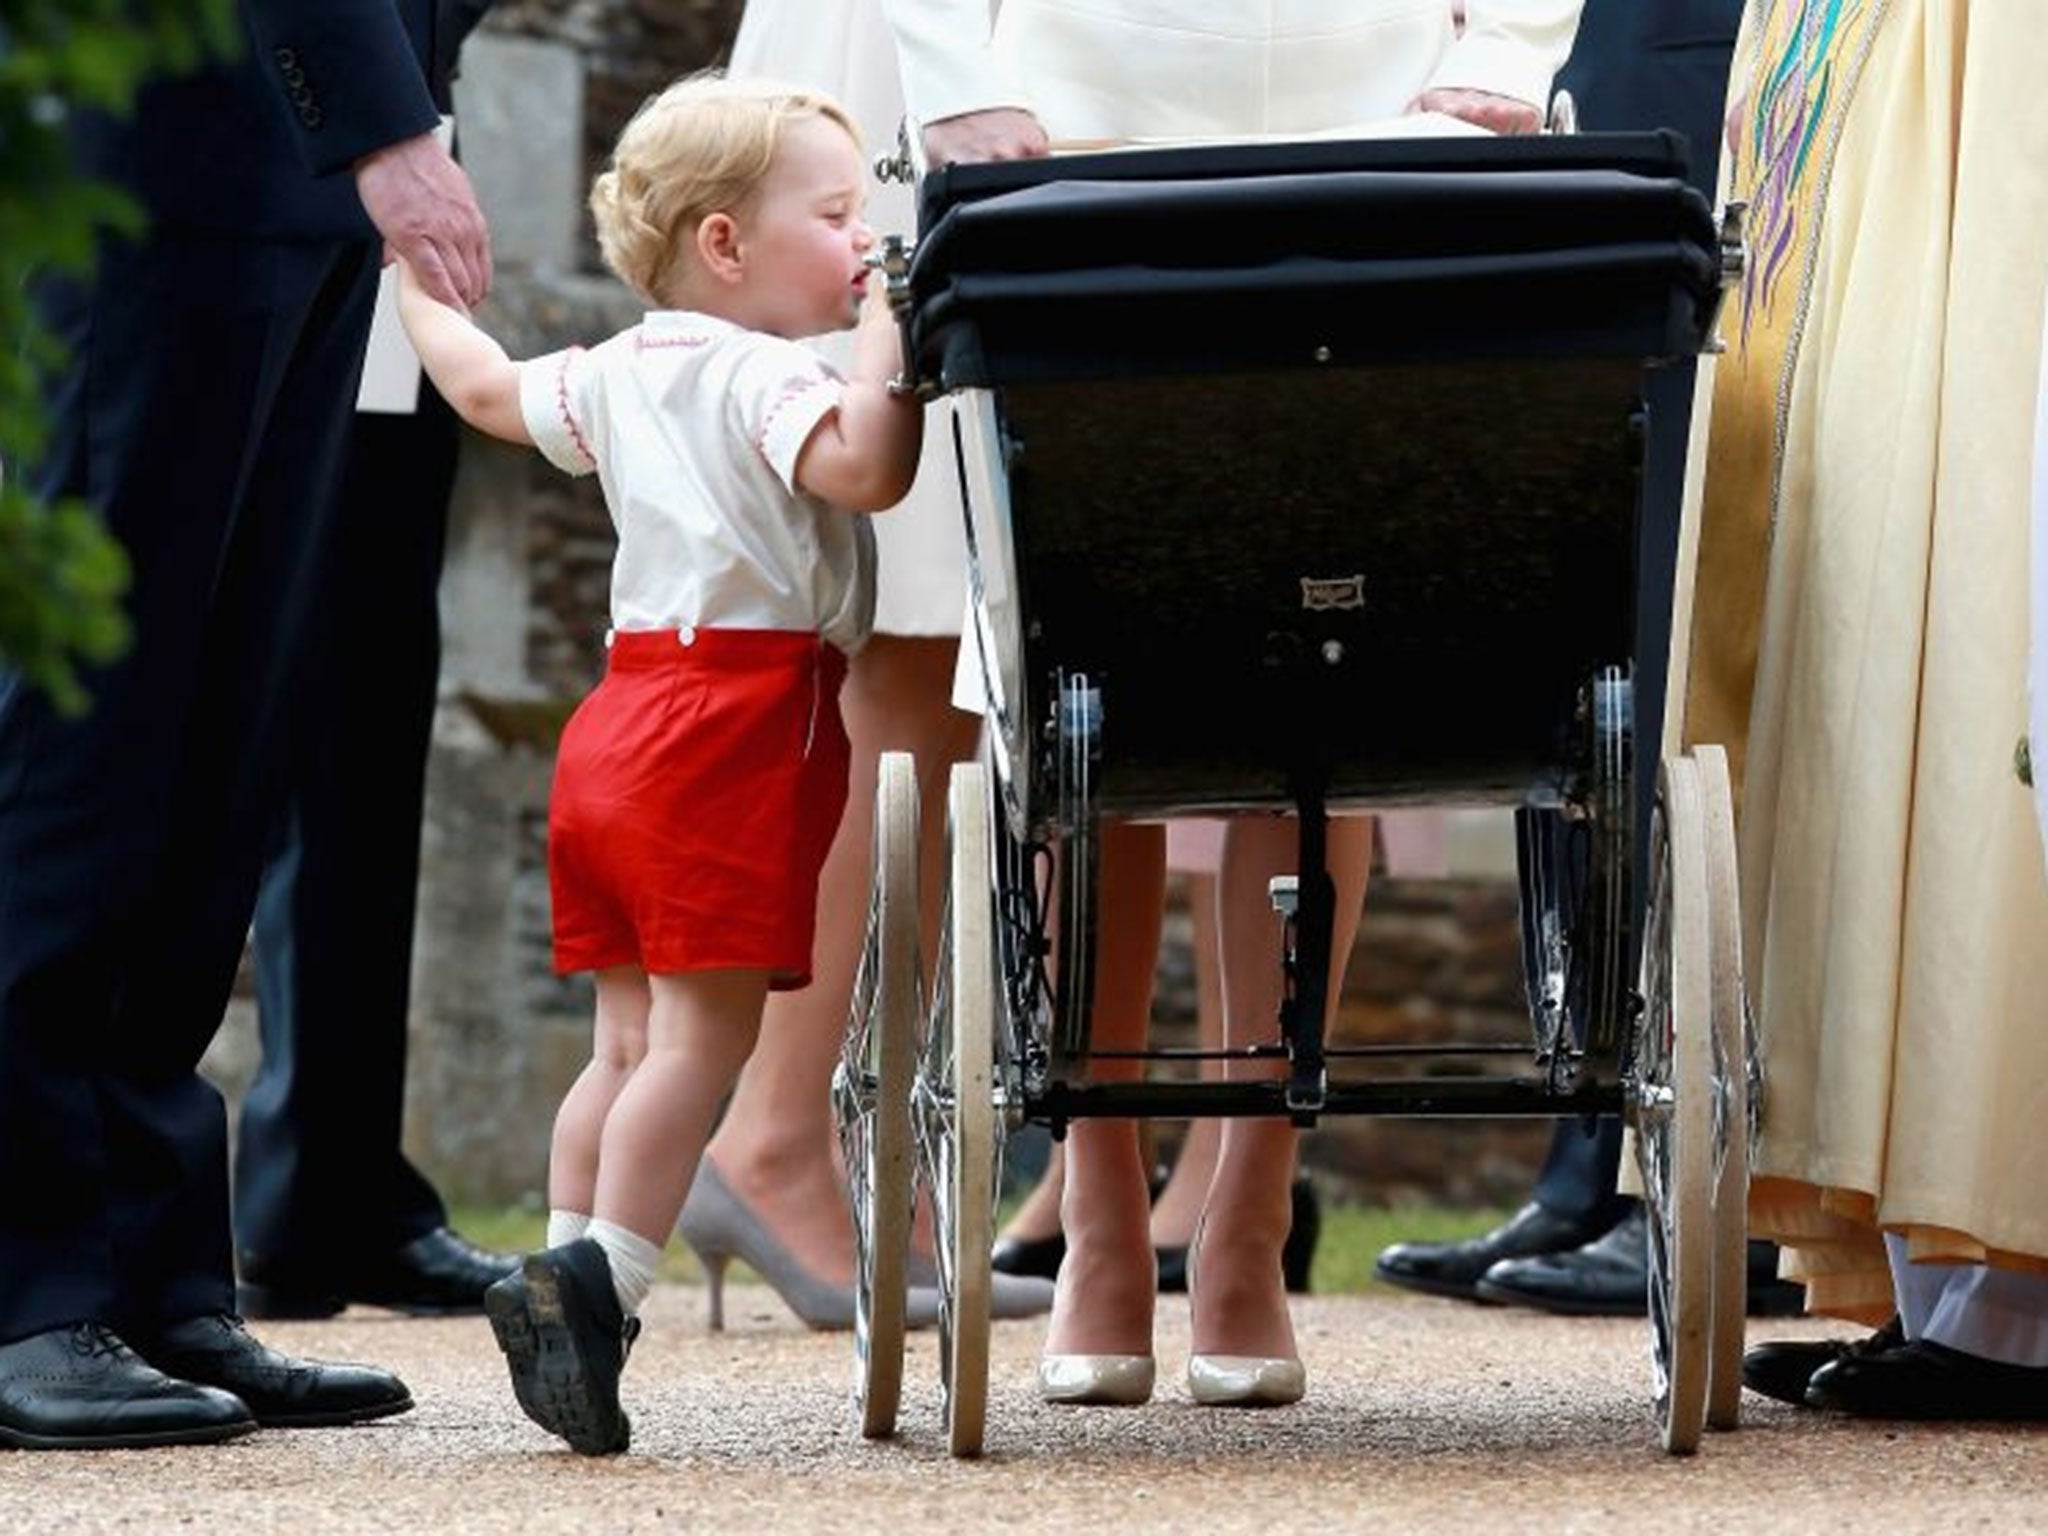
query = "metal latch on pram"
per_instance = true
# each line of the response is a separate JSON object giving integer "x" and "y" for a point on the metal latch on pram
{"x": 1733, "y": 246}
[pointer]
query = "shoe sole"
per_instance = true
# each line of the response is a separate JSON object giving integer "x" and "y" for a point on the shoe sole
{"x": 514, "y": 1332}
{"x": 1562, "y": 1306}
{"x": 1450, "y": 1289}
{"x": 333, "y": 1417}
{"x": 550, "y": 1377}
{"x": 212, "y": 1434}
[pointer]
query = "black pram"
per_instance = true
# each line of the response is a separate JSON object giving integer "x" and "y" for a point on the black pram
{"x": 1297, "y": 477}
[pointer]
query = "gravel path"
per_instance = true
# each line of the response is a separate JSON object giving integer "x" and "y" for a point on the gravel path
{"x": 1422, "y": 1416}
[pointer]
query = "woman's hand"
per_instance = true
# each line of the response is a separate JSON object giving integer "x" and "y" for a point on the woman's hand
{"x": 1000, "y": 133}
{"x": 1496, "y": 114}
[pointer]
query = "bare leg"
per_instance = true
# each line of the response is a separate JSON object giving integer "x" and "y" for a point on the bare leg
{"x": 618, "y": 1043}
{"x": 1106, "y": 1284}
{"x": 1179, "y": 1205}
{"x": 775, "y": 1145}
{"x": 701, "y": 1026}
{"x": 1237, "y": 1290}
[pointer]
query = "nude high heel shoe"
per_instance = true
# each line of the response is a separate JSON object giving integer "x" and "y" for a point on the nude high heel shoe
{"x": 1240, "y": 1381}
{"x": 720, "y": 1227}
{"x": 1117, "y": 1381}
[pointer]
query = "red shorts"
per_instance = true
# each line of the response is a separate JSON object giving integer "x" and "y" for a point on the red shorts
{"x": 696, "y": 792}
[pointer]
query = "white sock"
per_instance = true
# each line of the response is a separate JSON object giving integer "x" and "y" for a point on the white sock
{"x": 566, "y": 1227}
{"x": 634, "y": 1261}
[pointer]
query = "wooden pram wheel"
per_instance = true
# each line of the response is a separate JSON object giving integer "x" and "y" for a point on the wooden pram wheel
{"x": 954, "y": 1109}
{"x": 1670, "y": 1101}
{"x": 1731, "y": 1107}
{"x": 871, "y": 1098}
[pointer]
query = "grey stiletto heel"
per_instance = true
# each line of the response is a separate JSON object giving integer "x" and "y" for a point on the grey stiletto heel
{"x": 720, "y": 1227}
{"x": 714, "y": 1287}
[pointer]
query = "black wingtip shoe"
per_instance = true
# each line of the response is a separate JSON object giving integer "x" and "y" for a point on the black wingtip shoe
{"x": 81, "y": 1388}
{"x": 565, "y": 1340}
{"x": 437, "y": 1274}
{"x": 1454, "y": 1269}
{"x": 281, "y": 1391}
{"x": 1924, "y": 1380}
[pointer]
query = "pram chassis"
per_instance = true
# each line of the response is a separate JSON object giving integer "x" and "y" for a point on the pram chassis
{"x": 1006, "y": 1036}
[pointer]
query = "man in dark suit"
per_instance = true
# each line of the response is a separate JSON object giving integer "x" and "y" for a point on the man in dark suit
{"x": 203, "y": 411}
{"x": 1577, "y": 1246}
{"x": 328, "y": 1208}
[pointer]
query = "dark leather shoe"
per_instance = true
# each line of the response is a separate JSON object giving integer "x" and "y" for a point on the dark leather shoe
{"x": 1036, "y": 1256}
{"x": 1783, "y": 1370}
{"x": 565, "y": 1339}
{"x": 282, "y": 1392}
{"x": 1929, "y": 1381}
{"x": 439, "y": 1274}
{"x": 1454, "y": 1269}
{"x": 81, "y": 1388}
{"x": 1608, "y": 1277}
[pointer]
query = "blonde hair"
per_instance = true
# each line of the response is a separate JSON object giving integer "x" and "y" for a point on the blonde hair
{"x": 701, "y": 147}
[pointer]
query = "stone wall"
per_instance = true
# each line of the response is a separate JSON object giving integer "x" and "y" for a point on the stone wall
{"x": 495, "y": 1036}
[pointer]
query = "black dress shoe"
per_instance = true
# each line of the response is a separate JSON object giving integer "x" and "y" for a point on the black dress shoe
{"x": 282, "y": 1392}
{"x": 565, "y": 1339}
{"x": 1297, "y": 1255}
{"x": 438, "y": 1274}
{"x": 81, "y": 1388}
{"x": 1039, "y": 1256}
{"x": 1924, "y": 1380}
{"x": 1784, "y": 1370}
{"x": 1454, "y": 1269}
{"x": 1608, "y": 1277}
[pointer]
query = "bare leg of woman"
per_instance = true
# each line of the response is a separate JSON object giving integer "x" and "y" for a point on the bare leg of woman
{"x": 1107, "y": 1282}
{"x": 774, "y": 1147}
{"x": 1236, "y": 1287}
{"x": 619, "y": 1042}
{"x": 701, "y": 1026}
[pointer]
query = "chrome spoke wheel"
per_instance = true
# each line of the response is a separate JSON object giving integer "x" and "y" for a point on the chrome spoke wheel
{"x": 871, "y": 1098}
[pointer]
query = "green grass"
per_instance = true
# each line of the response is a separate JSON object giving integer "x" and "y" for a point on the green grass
{"x": 1352, "y": 1236}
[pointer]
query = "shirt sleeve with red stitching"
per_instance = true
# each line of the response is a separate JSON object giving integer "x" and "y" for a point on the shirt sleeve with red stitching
{"x": 784, "y": 392}
{"x": 553, "y": 400}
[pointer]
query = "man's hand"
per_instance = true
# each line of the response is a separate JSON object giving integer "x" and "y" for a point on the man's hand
{"x": 421, "y": 202}
{"x": 1000, "y": 133}
{"x": 1496, "y": 114}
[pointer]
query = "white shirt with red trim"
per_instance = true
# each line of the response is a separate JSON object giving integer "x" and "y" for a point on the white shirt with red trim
{"x": 693, "y": 426}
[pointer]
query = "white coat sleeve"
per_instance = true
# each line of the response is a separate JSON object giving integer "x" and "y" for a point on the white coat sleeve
{"x": 949, "y": 66}
{"x": 1510, "y": 48}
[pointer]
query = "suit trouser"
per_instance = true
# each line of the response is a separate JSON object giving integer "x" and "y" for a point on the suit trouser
{"x": 318, "y": 1169}
{"x": 203, "y": 412}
